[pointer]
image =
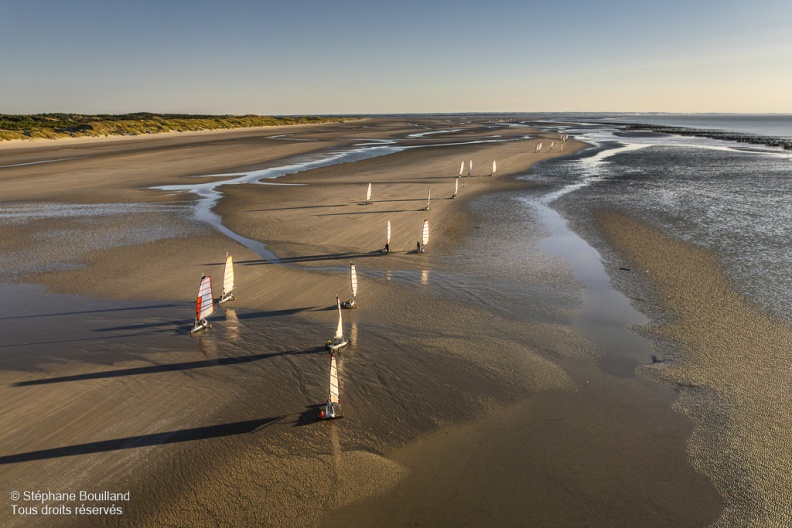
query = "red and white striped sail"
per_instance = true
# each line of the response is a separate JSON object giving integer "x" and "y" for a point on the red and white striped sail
{"x": 204, "y": 306}
{"x": 335, "y": 393}
{"x": 353, "y": 278}
{"x": 340, "y": 330}
{"x": 389, "y": 232}
{"x": 368, "y": 193}
{"x": 425, "y": 234}
{"x": 228, "y": 276}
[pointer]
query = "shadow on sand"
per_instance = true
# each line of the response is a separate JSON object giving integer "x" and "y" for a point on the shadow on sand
{"x": 148, "y": 307}
{"x": 170, "y": 367}
{"x": 146, "y": 326}
{"x": 315, "y": 258}
{"x": 309, "y": 416}
{"x": 171, "y": 437}
{"x": 365, "y": 212}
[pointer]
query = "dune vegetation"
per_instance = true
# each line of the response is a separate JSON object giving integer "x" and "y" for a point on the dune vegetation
{"x": 53, "y": 126}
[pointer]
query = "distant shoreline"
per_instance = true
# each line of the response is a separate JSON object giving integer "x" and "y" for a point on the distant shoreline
{"x": 724, "y": 135}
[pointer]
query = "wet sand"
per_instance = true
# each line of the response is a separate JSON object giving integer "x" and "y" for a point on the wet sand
{"x": 731, "y": 362}
{"x": 220, "y": 428}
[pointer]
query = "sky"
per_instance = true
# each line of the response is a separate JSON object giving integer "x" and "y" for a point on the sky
{"x": 353, "y": 57}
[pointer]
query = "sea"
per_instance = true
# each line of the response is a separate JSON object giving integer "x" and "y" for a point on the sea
{"x": 730, "y": 197}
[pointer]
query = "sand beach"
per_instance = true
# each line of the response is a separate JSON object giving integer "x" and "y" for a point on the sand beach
{"x": 481, "y": 389}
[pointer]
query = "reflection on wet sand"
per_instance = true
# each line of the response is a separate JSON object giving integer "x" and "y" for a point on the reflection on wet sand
{"x": 232, "y": 325}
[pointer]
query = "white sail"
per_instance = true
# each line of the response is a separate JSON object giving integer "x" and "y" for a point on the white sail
{"x": 340, "y": 330}
{"x": 425, "y": 234}
{"x": 429, "y": 198}
{"x": 353, "y": 278}
{"x": 456, "y": 186}
{"x": 494, "y": 166}
{"x": 470, "y": 167}
{"x": 552, "y": 144}
{"x": 461, "y": 168}
{"x": 335, "y": 393}
{"x": 204, "y": 306}
{"x": 389, "y": 232}
{"x": 228, "y": 276}
{"x": 368, "y": 193}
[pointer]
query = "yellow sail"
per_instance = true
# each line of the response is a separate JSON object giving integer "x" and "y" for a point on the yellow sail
{"x": 228, "y": 276}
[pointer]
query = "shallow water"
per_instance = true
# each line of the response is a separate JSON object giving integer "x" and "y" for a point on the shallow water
{"x": 765, "y": 125}
{"x": 719, "y": 195}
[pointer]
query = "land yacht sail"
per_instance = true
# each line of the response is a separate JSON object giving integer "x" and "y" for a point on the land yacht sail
{"x": 352, "y": 303}
{"x": 386, "y": 249}
{"x": 204, "y": 305}
{"x": 337, "y": 342}
{"x": 332, "y": 409}
{"x": 228, "y": 281}
{"x": 424, "y": 237}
